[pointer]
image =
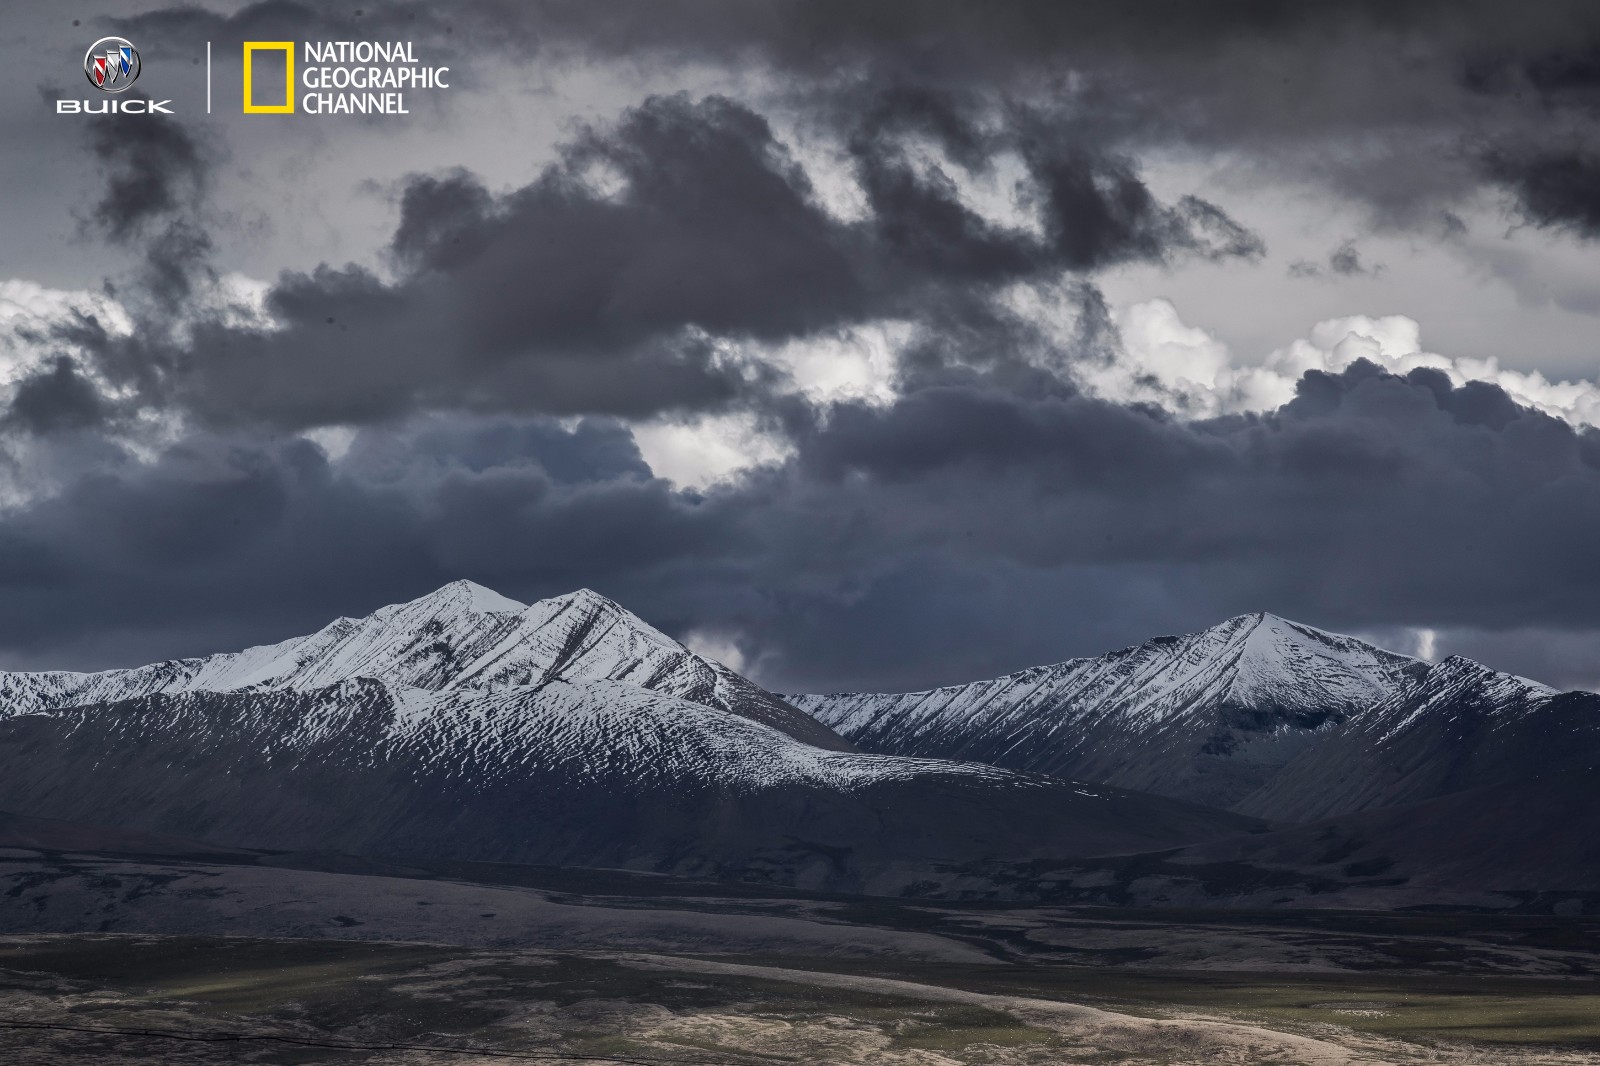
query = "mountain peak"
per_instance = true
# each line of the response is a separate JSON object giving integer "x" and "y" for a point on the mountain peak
{"x": 1249, "y": 618}
{"x": 471, "y": 596}
{"x": 1268, "y": 624}
{"x": 587, "y": 598}
{"x": 584, "y": 611}
{"x": 1457, "y": 672}
{"x": 1263, "y": 659}
{"x": 460, "y": 637}
{"x": 1207, "y": 715}
{"x": 1280, "y": 662}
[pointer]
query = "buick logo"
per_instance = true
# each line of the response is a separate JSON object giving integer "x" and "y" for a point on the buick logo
{"x": 111, "y": 64}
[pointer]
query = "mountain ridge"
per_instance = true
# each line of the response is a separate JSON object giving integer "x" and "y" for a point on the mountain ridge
{"x": 1464, "y": 726}
{"x": 460, "y": 636}
{"x": 594, "y": 772}
{"x": 1204, "y": 716}
{"x": 466, "y": 725}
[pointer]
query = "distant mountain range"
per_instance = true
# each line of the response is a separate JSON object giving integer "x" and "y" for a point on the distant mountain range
{"x": 466, "y": 725}
{"x": 1460, "y": 726}
{"x": 463, "y": 637}
{"x": 1259, "y": 761}
{"x": 1391, "y": 781}
{"x": 1258, "y": 714}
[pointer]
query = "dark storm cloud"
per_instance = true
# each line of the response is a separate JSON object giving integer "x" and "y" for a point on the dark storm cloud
{"x": 1555, "y": 189}
{"x": 1344, "y": 261}
{"x": 1385, "y": 104}
{"x": 156, "y": 177}
{"x": 1550, "y": 161}
{"x": 56, "y": 396}
{"x": 1367, "y": 498}
{"x": 594, "y": 450}
{"x": 1371, "y": 98}
{"x": 153, "y": 170}
{"x": 919, "y": 537}
{"x": 713, "y": 226}
{"x": 184, "y": 26}
{"x": 931, "y": 539}
{"x": 1093, "y": 207}
{"x": 162, "y": 552}
{"x": 1380, "y": 102}
{"x": 1562, "y": 658}
{"x": 990, "y": 39}
{"x": 627, "y": 276}
{"x": 990, "y": 516}
{"x": 1564, "y": 70}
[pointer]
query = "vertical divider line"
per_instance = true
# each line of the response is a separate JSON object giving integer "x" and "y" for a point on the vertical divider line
{"x": 208, "y": 77}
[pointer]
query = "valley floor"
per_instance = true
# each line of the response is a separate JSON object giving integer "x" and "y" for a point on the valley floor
{"x": 300, "y": 959}
{"x": 130, "y": 999}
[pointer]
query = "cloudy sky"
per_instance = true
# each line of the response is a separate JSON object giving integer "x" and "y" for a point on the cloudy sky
{"x": 867, "y": 344}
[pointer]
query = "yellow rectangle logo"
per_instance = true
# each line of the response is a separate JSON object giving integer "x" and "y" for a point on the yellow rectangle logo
{"x": 287, "y": 48}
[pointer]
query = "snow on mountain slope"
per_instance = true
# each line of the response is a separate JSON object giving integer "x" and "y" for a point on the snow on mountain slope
{"x": 463, "y": 636}
{"x": 1209, "y": 716}
{"x": 1452, "y": 684}
{"x": 594, "y": 772}
{"x": 1464, "y": 726}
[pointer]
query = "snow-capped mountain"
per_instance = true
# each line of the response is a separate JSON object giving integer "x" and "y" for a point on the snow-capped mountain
{"x": 588, "y": 772}
{"x": 467, "y": 725}
{"x": 461, "y": 637}
{"x": 1463, "y": 726}
{"x": 1208, "y": 717}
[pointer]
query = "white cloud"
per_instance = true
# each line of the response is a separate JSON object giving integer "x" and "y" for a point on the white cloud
{"x": 702, "y": 452}
{"x": 1180, "y": 366}
{"x": 856, "y": 364}
{"x": 1164, "y": 360}
{"x": 719, "y": 646}
{"x": 28, "y": 314}
{"x": 1160, "y": 359}
{"x": 239, "y": 301}
{"x": 853, "y": 364}
{"x": 334, "y": 441}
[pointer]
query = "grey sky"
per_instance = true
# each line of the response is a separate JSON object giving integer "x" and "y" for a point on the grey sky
{"x": 675, "y": 218}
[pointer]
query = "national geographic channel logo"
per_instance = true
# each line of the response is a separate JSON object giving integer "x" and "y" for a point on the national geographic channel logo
{"x": 336, "y": 77}
{"x": 112, "y": 65}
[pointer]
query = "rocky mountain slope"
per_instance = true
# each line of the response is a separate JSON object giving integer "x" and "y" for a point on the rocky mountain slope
{"x": 461, "y": 637}
{"x": 1209, "y": 717}
{"x": 1462, "y": 727}
{"x": 465, "y": 725}
{"x": 584, "y": 772}
{"x": 1530, "y": 841}
{"x": 1526, "y": 845}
